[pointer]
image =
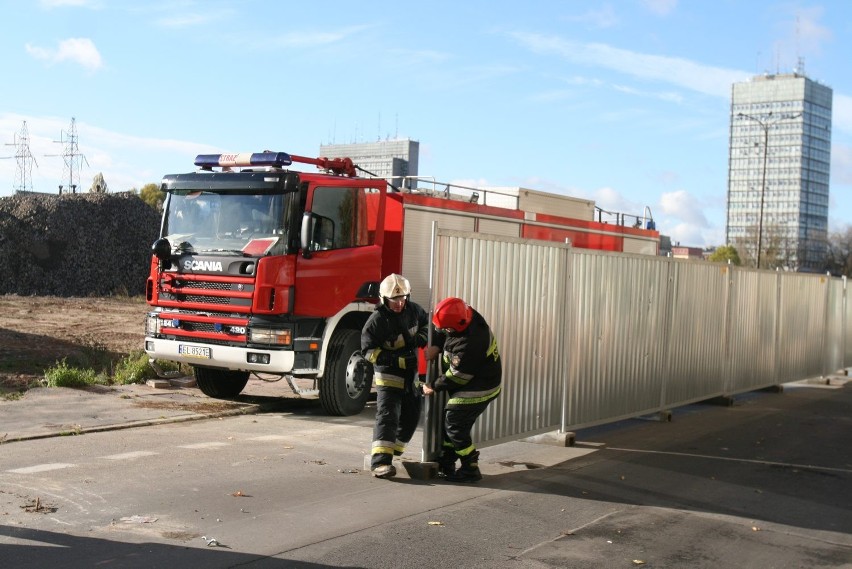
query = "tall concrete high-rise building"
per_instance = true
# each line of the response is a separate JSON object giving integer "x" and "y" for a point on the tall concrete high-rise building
{"x": 389, "y": 159}
{"x": 778, "y": 171}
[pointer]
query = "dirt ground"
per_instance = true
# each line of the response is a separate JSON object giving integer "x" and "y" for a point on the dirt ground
{"x": 37, "y": 332}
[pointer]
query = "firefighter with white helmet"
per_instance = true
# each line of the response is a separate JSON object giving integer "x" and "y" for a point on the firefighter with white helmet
{"x": 472, "y": 373}
{"x": 390, "y": 340}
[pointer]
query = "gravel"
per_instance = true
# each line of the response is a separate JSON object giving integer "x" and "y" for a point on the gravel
{"x": 88, "y": 244}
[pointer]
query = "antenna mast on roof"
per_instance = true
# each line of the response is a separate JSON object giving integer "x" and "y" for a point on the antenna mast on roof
{"x": 72, "y": 157}
{"x": 25, "y": 160}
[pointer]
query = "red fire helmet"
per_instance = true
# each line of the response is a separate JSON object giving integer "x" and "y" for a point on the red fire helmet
{"x": 452, "y": 314}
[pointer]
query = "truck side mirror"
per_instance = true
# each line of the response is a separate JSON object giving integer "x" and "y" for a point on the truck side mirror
{"x": 307, "y": 234}
{"x": 162, "y": 249}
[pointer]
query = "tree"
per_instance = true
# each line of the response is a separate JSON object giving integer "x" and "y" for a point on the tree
{"x": 153, "y": 196}
{"x": 724, "y": 254}
{"x": 839, "y": 258}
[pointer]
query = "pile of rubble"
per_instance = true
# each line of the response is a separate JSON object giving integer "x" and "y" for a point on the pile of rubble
{"x": 88, "y": 244}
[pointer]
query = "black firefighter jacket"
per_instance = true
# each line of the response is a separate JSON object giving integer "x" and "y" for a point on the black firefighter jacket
{"x": 471, "y": 364}
{"x": 389, "y": 341}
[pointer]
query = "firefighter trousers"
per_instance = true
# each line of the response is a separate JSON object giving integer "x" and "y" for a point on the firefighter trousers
{"x": 458, "y": 423}
{"x": 397, "y": 416}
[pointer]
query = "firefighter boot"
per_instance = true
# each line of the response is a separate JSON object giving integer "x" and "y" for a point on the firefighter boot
{"x": 384, "y": 471}
{"x": 447, "y": 463}
{"x": 469, "y": 471}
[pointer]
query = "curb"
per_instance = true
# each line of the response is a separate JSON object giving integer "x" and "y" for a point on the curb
{"x": 249, "y": 409}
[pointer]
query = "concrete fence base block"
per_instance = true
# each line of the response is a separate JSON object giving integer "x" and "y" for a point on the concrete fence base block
{"x": 555, "y": 438}
{"x": 421, "y": 470}
{"x": 723, "y": 400}
{"x": 415, "y": 470}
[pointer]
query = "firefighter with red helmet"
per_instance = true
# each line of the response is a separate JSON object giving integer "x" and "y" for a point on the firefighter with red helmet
{"x": 472, "y": 373}
{"x": 389, "y": 340}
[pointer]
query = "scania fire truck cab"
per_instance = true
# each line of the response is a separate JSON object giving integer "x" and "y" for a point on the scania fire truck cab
{"x": 235, "y": 248}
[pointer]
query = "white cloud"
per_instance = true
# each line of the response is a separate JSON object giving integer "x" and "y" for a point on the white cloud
{"x": 809, "y": 34}
{"x": 663, "y": 96}
{"x": 686, "y": 235}
{"x": 661, "y": 7}
{"x": 77, "y": 50}
{"x": 193, "y": 19}
{"x": 715, "y": 81}
{"x": 602, "y": 18}
{"x": 610, "y": 199}
{"x": 841, "y": 164}
{"x": 683, "y": 217}
{"x": 307, "y": 38}
{"x": 841, "y": 112}
{"x": 685, "y": 206}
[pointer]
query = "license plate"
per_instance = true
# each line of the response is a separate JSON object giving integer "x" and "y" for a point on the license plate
{"x": 194, "y": 351}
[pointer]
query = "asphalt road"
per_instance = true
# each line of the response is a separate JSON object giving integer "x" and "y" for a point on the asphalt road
{"x": 764, "y": 483}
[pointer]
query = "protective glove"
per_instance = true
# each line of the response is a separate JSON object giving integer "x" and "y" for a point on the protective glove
{"x": 408, "y": 361}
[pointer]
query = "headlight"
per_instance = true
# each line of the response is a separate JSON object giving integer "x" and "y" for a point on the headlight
{"x": 271, "y": 337}
{"x": 152, "y": 325}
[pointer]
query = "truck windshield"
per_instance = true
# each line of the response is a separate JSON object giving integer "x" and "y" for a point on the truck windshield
{"x": 228, "y": 222}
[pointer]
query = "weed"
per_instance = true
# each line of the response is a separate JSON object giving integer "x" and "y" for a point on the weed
{"x": 134, "y": 368}
{"x": 63, "y": 375}
{"x": 11, "y": 395}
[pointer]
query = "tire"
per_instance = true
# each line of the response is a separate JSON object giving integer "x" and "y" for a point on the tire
{"x": 348, "y": 378}
{"x": 220, "y": 383}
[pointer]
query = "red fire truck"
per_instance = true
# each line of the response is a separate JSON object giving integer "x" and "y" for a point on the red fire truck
{"x": 263, "y": 269}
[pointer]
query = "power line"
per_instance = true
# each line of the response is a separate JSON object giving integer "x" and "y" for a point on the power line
{"x": 24, "y": 159}
{"x": 72, "y": 157}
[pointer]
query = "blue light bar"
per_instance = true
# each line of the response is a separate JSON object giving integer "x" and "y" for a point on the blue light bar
{"x": 244, "y": 159}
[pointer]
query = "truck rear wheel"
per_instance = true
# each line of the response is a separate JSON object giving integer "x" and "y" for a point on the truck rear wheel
{"x": 220, "y": 383}
{"x": 348, "y": 379}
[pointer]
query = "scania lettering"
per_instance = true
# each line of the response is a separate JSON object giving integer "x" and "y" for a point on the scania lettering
{"x": 266, "y": 270}
{"x": 208, "y": 266}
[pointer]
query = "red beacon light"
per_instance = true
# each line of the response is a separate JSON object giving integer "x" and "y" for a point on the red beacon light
{"x": 243, "y": 160}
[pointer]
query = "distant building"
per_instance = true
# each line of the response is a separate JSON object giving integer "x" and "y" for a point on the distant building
{"x": 389, "y": 159}
{"x": 695, "y": 253}
{"x": 778, "y": 176}
{"x": 665, "y": 245}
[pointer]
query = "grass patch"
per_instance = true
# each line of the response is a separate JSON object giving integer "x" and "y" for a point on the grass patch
{"x": 134, "y": 368}
{"x": 64, "y": 375}
{"x": 11, "y": 395}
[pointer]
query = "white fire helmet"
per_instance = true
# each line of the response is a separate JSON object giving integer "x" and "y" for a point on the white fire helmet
{"x": 394, "y": 285}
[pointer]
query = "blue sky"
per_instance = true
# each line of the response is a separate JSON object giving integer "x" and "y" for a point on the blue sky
{"x": 623, "y": 101}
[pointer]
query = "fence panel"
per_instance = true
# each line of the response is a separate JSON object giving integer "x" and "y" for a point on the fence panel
{"x": 835, "y": 326}
{"x": 697, "y": 342}
{"x": 752, "y": 345}
{"x": 802, "y": 326}
{"x": 619, "y": 322}
{"x": 521, "y": 288}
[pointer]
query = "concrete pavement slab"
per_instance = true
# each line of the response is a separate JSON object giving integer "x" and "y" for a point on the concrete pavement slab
{"x": 47, "y": 412}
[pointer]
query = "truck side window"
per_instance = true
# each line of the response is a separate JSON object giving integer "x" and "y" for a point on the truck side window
{"x": 341, "y": 219}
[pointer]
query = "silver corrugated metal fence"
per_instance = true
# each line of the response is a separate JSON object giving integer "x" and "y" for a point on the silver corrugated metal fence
{"x": 590, "y": 337}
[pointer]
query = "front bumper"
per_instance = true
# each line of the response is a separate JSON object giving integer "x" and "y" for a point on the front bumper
{"x": 227, "y": 357}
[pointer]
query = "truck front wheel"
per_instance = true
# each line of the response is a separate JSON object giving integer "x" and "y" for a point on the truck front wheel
{"x": 348, "y": 378}
{"x": 220, "y": 383}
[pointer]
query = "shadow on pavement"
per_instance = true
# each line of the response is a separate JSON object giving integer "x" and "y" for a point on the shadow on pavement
{"x": 780, "y": 458}
{"x": 40, "y": 548}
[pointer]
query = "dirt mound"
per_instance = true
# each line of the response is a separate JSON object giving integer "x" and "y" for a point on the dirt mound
{"x": 75, "y": 244}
